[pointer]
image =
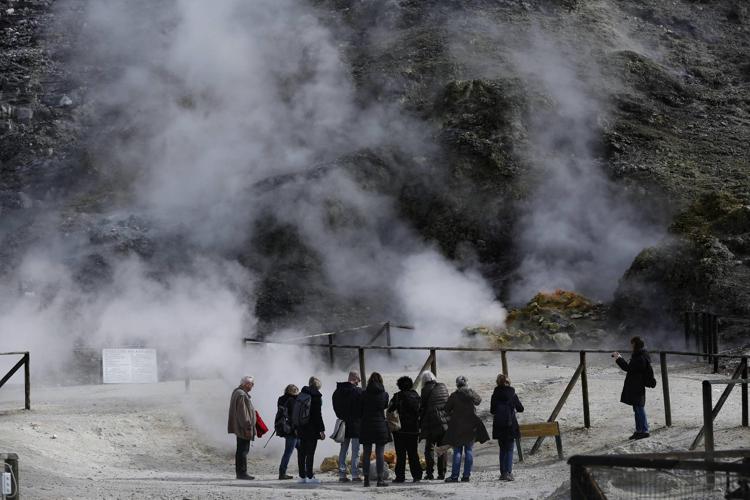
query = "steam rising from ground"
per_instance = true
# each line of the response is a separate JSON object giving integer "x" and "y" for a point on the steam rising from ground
{"x": 202, "y": 102}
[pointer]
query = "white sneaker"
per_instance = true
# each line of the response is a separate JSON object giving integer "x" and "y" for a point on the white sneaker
{"x": 314, "y": 480}
{"x": 302, "y": 480}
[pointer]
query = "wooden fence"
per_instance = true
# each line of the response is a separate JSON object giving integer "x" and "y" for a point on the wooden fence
{"x": 580, "y": 372}
{"x": 25, "y": 360}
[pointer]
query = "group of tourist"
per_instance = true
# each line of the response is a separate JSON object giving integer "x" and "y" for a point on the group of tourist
{"x": 370, "y": 419}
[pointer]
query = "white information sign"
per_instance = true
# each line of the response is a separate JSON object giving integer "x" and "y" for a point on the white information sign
{"x": 129, "y": 366}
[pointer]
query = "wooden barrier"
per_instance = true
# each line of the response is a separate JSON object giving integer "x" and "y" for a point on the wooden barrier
{"x": 26, "y": 363}
{"x": 540, "y": 430}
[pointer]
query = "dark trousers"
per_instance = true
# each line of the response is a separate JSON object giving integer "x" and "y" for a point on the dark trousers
{"x": 379, "y": 459}
{"x": 429, "y": 456}
{"x": 306, "y": 457}
{"x": 406, "y": 445}
{"x": 240, "y": 456}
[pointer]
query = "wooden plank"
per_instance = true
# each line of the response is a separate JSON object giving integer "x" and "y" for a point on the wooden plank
{"x": 558, "y": 445}
{"x": 27, "y": 381}
{"x": 519, "y": 449}
{"x": 559, "y": 406}
{"x": 540, "y": 429}
{"x": 388, "y": 337}
{"x": 708, "y": 427}
{"x": 13, "y": 371}
{"x": 719, "y": 404}
{"x": 504, "y": 362}
{"x": 362, "y": 373}
{"x": 418, "y": 380}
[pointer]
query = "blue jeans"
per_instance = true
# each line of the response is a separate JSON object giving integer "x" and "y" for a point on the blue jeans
{"x": 641, "y": 423}
{"x": 506, "y": 456}
{"x": 468, "y": 461}
{"x": 355, "y": 457}
{"x": 291, "y": 444}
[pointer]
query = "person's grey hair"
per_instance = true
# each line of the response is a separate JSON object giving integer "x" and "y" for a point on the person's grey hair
{"x": 461, "y": 381}
{"x": 428, "y": 377}
{"x": 315, "y": 383}
{"x": 247, "y": 379}
{"x": 354, "y": 375}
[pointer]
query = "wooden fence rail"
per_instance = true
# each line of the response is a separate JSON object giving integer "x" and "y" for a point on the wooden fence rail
{"x": 579, "y": 373}
{"x": 25, "y": 362}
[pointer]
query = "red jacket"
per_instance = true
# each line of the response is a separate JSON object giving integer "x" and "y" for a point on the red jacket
{"x": 260, "y": 425}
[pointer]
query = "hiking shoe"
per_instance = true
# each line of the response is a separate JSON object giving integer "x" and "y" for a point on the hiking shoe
{"x": 633, "y": 436}
{"x": 245, "y": 477}
{"x": 382, "y": 483}
{"x": 344, "y": 480}
{"x": 429, "y": 477}
{"x": 367, "y": 482}
{"x": 503, "y": 477}
{"x": 464, "y": 479}
{"x": 283, "y": 477}
{"x": 399, "y": 480}
{"x": 440, "y": 478}
{"x": 416, "y": 480}
{"x": 510, "y": 477}
{"x": 642, "y": 435}
{"x": 451, "y": 479}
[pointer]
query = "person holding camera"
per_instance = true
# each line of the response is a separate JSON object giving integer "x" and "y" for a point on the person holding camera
{"x": 639, "y": 375}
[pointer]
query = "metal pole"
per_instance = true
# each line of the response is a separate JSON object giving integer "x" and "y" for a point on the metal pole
{"x": 708, "y": 426}
{"x": 27, "y": 380}
{"x": 504, "y": 360}
{"x": 744, "y": 393}
{"x": 433, "y": 365}
{"x": 665, "y": 388}
{"x": 585, "y": 391}
{"x": 362, "y": 373}
{"x": 388, "y": 336}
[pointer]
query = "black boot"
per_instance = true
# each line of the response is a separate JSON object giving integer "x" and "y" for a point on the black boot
{"x": 367, "y": 482}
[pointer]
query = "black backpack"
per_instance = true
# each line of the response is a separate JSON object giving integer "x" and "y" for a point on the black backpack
{"x": 301, "y": 411}
{"x": 649, "y": 380}
{"x": 282, "y": 424}
{"x": 504, "y": 411}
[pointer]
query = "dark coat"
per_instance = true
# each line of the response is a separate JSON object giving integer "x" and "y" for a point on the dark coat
{"x": 463, "y": 423}
{"x": 507, "y": 395}
{"x": 287, "y": 401}
{"x": 374, "y": 428}
{"x": 407, "y": 404}
{"x": 432, "y": 416}
{"x": 347, "y": 399}
{"x": 315, "y": 426}
{"x": 634, "y": 388}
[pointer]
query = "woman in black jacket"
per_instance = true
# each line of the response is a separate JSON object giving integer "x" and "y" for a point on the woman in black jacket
{"x": 639, "y": 372}
{"x": 374, "y": 428}
{"x": 310, "y": 432}
{"x": 504, "y": 405}
{"x": 406, "y": 402}
{"x": 285, "y": 407}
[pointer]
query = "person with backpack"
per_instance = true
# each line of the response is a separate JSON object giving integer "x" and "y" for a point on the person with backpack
{"x": 241, "y": 423}
{"x": 503, "y": 406}
{"x": 374, "y": 428}
{"x": 464, "y": 428}
{"x": 406, "y": 403}
{"x": 640, "y": 374}
{"x": 283, "y": 427}
{"x": 346, "y": 401}
{"x": 307, "y": 421}
{"x": 433, "y": 423}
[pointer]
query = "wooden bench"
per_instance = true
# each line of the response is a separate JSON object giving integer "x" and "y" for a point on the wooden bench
{"x": 541, "y": 429}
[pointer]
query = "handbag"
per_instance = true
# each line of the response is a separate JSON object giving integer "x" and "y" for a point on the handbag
{"x": 260, "y": 426}
{"x": 393, "y": 420}
{"x": 339, "y": 431}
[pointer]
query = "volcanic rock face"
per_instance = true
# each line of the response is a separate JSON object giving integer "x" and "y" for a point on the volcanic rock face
{"x": 516, "y": 139}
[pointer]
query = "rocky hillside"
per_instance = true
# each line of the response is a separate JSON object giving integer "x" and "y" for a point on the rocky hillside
{"x": 599, "y": 146}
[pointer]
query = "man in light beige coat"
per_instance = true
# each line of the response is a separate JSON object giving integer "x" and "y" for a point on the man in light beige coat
{"x": 242, "y": 424}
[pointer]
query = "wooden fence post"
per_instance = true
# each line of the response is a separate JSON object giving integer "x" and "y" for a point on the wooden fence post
{"x": 504, "y": 361}
{"x": 744, "y": 392}
{"x": 27, "y": 380}
{"x": 585, "y": 391}
{"x": 330, "y": 350}
{"x": 362, "y": 373}
{"x": 708, "y": 426}
{"x": 665, "y": 388}
{"x": 558, "y": 406}
{"x": 433, "y": 365}
{"x": 388, "y": 336}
